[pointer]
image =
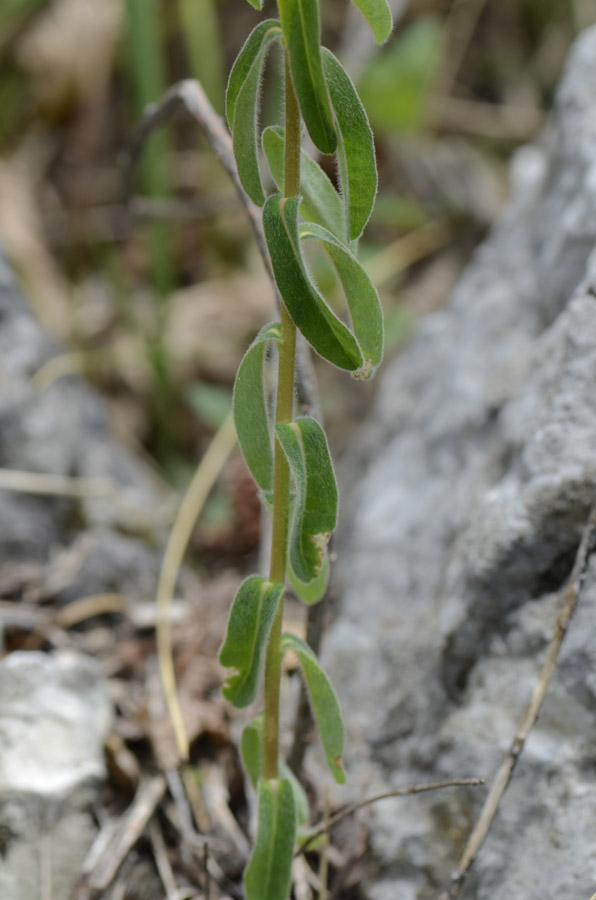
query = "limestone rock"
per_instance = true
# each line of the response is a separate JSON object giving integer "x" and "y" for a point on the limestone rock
{"x": 55, "y": 714}
{"x": 63, "y": 430}
{"x": 479, "y": 468}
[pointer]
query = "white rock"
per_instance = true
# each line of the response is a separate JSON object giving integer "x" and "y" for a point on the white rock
{"x": 55, "y": 714}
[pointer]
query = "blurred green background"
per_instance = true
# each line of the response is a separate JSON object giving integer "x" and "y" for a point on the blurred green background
{"x": 155, "y": 300}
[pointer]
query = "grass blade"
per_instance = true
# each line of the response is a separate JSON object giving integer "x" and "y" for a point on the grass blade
{"x": 202, "y": 37}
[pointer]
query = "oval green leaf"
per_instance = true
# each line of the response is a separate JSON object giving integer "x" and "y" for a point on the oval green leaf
{"x": 319, "y": 325}
{"x": 259, "y": 38}
{"x": 251, "y": 409}
{"x": 268, "y": 875}
{"x": 320, "y": 201}
{"x": 361, "y": 296}
{"x": 251, "y": 617}
{"x": 378, "y": 15}
{"x": 355, "y": 146}
{"x": 301, "y": 26}
{"x": 314, "y": 591}
{"x": 324, "y": 703}
{"x": 314, "y": 513}
{"x": 242, "y": 106}
{"x": 251, "y": 751}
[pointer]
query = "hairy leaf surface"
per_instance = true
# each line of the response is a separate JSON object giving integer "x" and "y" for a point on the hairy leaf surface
{"x": 248, "y": 630}
{"x": 259, "y": 38}
{"x": 314, "y": 590}
{"x": 251, "y": 410}
{"x": 251, "y": 750}
{"x": 378, "y": 15}
{"x": 302, "y": 34}
{"x": 361, "y": 295}
{"x": 320, "y": 201}
{"x": 324, "y": 704}
{"x": 319, "y": 325}
{"x": 242, "y": 105}
{"x": 355, "y": 146}
{"x": 314, "y": 513}
{"x": 268, "y": 874}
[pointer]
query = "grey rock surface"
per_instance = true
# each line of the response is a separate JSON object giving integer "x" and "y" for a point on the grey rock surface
{"x": 63, "y": 430}
{"x": 478, "y": 470}
{"x": 55, "y": 713}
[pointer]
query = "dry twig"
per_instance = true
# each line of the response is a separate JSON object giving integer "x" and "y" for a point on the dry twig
{"x": 399, "y": 792}
{"x": 126, "y": 833}
{"x": 505, "y": 771}
{"x": 162, "y": 861}
{"x": 80, "y": 488}
{"x": 189, "y": 95}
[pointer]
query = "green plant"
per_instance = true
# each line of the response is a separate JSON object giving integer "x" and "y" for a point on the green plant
{"x": 288, "y": 456}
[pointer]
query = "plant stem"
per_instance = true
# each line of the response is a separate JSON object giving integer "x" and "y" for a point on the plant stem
{"x": 281, "y": 479}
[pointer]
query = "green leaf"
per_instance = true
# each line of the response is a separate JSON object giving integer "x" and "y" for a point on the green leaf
{"x": 242, "y": 105}
{"x": 314, "y": 513}
{"x": 324, "y": 704}
{"x": 319, "y": 325}
{"x": 378, "y": 15}
{"x": 394, "y": 86}
{"x": 251, "y": 409}
{"x": 258, "y": 4}
{"x": 300, "y": 798}
{"x": 355, "y": 146}
{"x": 361, "y": 295}
{"x": 259, "y": 38}
{"x": 301, "y": 26}
{"x": 320, "y": 201}
{"x": 268, "y": 875}
{"x": 312, "y": 592}
{"x": 244, "y": 648}
{"x": 251, "y": 751}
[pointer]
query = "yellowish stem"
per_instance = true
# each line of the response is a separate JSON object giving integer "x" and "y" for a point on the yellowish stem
{"x": 281, "y": 478}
